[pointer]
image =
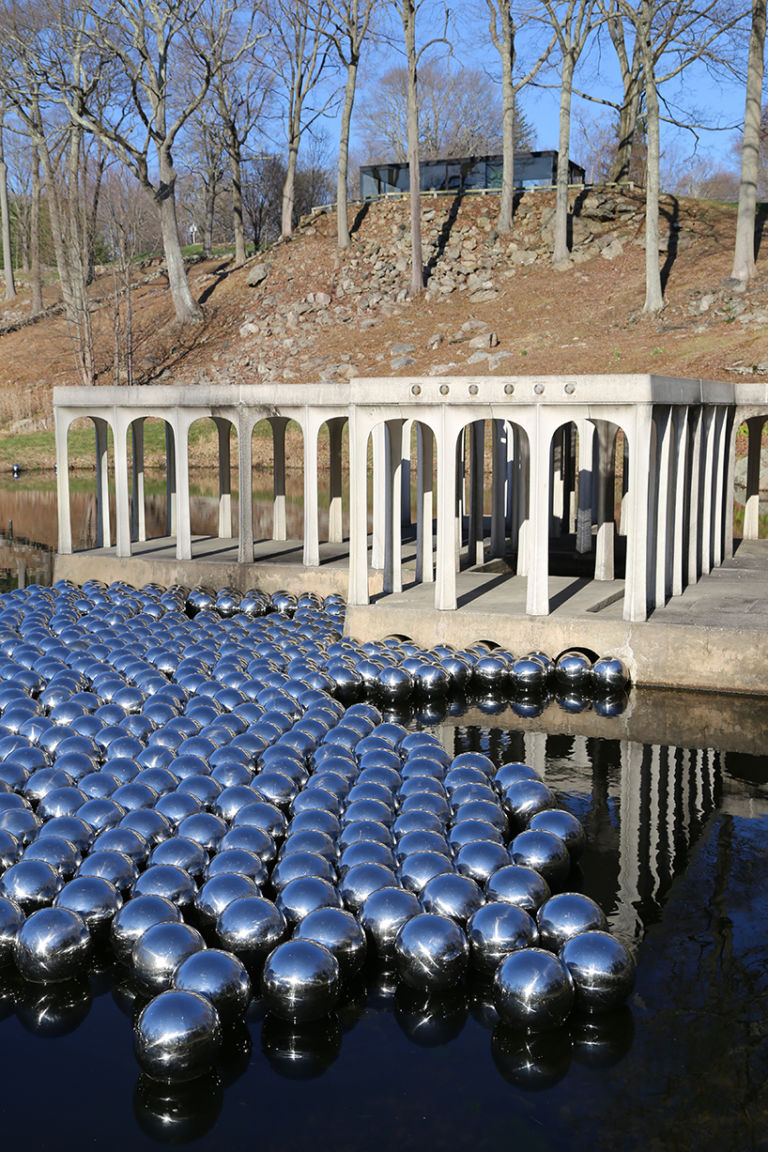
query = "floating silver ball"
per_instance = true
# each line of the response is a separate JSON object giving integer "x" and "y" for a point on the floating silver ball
{"x": 306, "y": 895}
{"x": 602, "y": 969}
{"x": 32, "y": 884}
{"x": 359, "y": 882}
{"x": 454, "y": 896}
{"x": 169, "y": 881}
{"x": 11, "y": 919}
{"x": 93, "y": 898}
{"x": 518, "y": 885}
{"x": 181, "y": 852}
{"x": 116, "y": 867}
{"x": 394, "y": 683}
{"x": 382, "y": 916}
{"x": 220, "y": 977}
{"x": 421, "y": 841}
{"x": 216, "y": 893}
{"x": 177, "y": 1036}
{"x": 250, "y": 928}
{"x": 417, "y": 870}
{"x": 564, "y": 825}
{"x": 158, "y": 952}
{"x": 298, "y": 864}
{"x": 238, "y": 860}
{"x": 566, "y": 915}
{"x": 495, "y": 931}
{"x": 52, "y": 944}
{"x": 431, "y": 952}
{"x": 609, "y": 675}
{"x": 61, "y": 854}
{"x": 133, "y": 920}
{"x": 479, "y": 859}
{"x": 300, "y": 981}
{"x": 339, "y": 932}
{"x": 544, "y": 852}
{"x": 533, "y": 990}
{"x": 524, "y": 799}
{"x": 573, "y": 669}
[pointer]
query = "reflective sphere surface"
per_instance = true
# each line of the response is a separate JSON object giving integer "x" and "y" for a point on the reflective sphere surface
{"x": 431, "y": 952}
{"x": 566, "y": 915}
{"x": 495, "y": 931}
{"x": 602, "y": 970}
{"x": 220, "y": 977}
{"x": 52, "y": 944}
{"x": 533, "y": 990}
{"x": 177, "y": 1036}
{"x": 300, "y": 980}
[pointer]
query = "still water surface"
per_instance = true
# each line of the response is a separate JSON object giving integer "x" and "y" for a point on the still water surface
{"x": 676, "y": 857}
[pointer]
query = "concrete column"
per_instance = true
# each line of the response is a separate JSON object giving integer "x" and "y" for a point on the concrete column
{"x": 138, "y": 514}
{"x": 681, "y": 501}
{"x": 475, "y": 543}
{"x": 695, "y": 493}
{"x": 183, "y": 527}
{"x": 122, "y": 503}
{"x": 103, "y": 526}
{"x": 445, "y": 584}
{"x": 708, "y": 480}
{"x": 379, "y": 436}
{"x": 662, "y": 537}
{"x": 625, "y": 500}
{"x": 245, "y": 486}
{"x": 278, "y": 424}
{"x": 335, "y": 521}
{"x": 61, "y": 424}
{"x": 637, "y": 584}
{"x": 460, "y": 498}
{"x": 311, "y": 501}
{"x": 393, "y": 549}
{"x": 223, "y": 428}
{"x": 170, "y": 481}
{"x": 498, "y": 488}
{"x": 358, "y": 510}
{"x": 405, "y": 481}
{"x": 722, "y": 430}
{"x": 606, "y": 487}
{"x": 537, "y": 593}
{"x": 586, "y": 488}
{"x": 523, "y": 503}
{"x": 424, "y": 503}
{"x": 752, "y": 502}
{"x": 557, "y": 457}
{"x": 729, "y": 509}
{"x": 570, "y": 458}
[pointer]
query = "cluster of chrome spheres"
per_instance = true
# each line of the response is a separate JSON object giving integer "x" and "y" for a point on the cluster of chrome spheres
{"x": 181, "y": 782}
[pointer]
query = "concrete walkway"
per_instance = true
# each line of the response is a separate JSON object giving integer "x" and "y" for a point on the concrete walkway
{"x": 713, "y": 637}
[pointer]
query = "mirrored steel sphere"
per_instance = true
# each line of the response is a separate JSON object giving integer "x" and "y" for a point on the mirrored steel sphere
{"x": 454, "y": 896}
{"x": 250, "y": 928}
{"x": 216, "y": 893}
{"x": 544, "y": 852}
{"x": 383, "y": 915}
{"x": 181, "y": 852}
{"x": 340, "y": 933}
{"x": 160, "y": 949}
{"x": 32, "y": 884}
{"x": 480, "y": 859}
{"x": 573, "y": 669}
{"x": 518, "y": 885}
{"x": 298, "y": 864}
{"x": 524, "y": 799}
{"x": 533, "y": 990}
{"x": 238, "y": 860}
{"x": 169, "y": 881}
{"x": 11, "y": 919}
{"x": 306, "y": 895}
{"x": 134, "y": 918}
{"x": 116, "y": 867}
{"x": 417, "y": 870}
{"x": 177, "y": 1036}
{"x": 431, "y": 952}
{"x": 564, "y": 825}
{"x": 609, "y": 675}
{"x": 495, "y": 931}
{"x": 52, "y": 944}
{"x": 300, "y": 981}
{"x": 566, "y": 915}
{"x": 220, "y": 977}
{"x": 359, "y": 882}
{"x": 93, "y": 898}
{"x": 602, "y": 969}
{"x": 61, "y": 854}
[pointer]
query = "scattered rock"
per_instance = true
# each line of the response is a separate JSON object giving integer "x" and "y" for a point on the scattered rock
{"x": 612, "y": 250}
{"x": 401, "y": 362}
{"x": 401, "y": 349}
{"x": 257, "y": 275}
{"x": 484, "y": 341}
{"x": 434, "y": 341}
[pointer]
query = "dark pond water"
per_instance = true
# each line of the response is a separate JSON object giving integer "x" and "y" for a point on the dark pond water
{"x": 677, "y": 859}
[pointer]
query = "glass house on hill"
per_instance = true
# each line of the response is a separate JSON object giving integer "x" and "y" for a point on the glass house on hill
{"x": 465, "y": 174}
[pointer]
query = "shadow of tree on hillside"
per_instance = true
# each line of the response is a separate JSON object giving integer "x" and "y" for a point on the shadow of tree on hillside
{"x": 761, "y": 219}
{"x": 673, "y": 223}
{"x": 444, "y": 236}
{"x": 360, "y": 215}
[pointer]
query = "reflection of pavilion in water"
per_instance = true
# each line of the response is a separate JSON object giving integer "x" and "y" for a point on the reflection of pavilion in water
{"x": 643, "y": 808}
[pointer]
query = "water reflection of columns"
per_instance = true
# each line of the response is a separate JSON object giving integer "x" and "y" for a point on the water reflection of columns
{"x": 536, "y": 751}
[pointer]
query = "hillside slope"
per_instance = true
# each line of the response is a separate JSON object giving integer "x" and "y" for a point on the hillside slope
{"x": 492, "y": 305}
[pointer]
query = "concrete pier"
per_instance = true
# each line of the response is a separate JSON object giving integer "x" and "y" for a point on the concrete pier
{"x": 550, "y": 512}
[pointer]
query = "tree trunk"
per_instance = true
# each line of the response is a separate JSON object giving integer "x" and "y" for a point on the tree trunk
{"x": 414, "y": 166}
{"x": 35, "y": 277}
{"x": 744, "y": 249}
{"x": 342, "y": 218}
{"x": 507, "y": 201}
{"x": 289, "y": 189}
{"x": 187, "y": 309}
{"x": 631, "y": 80}
{"x": 210, "y": 209}
{"x": 10, "y": 283}
{"x": 560, "y": 253}
{"x": 654, "y": 300}
{"x": 238, "y": 227}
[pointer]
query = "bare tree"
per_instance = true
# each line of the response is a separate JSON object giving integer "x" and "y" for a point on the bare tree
{"x": 503, "y": 33}
{"x": 158, "y": 46}
{"x": 302, "y": 50}
{"x": 744, "y": 249}
{"x": 572, "y": 23}
{"x": 10, "y": 283}
{"x": 350, "y": 21}
{"x": 205, "y": 158}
